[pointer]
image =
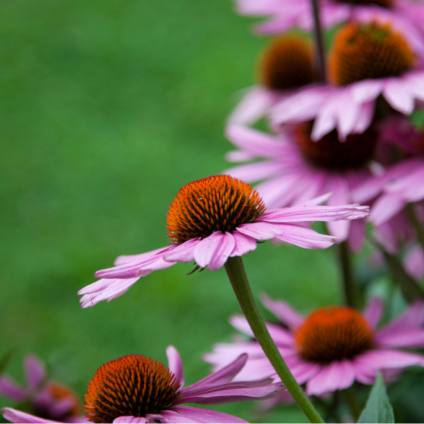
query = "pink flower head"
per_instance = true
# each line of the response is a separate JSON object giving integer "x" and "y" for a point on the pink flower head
{"x": 358, "y": 80}
{"x": 405, "y": 15}
{"x": 136, "y": 389}
{"x": 332, "y": 347}
{"x": 285, "y": 65}
{"x": 211, "y": 220}
{"x": 297, "y": 169}
{"x": 46, "y": 398}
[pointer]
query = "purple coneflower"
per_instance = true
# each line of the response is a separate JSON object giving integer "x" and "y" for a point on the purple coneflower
{"x": 137, "y": 389}
{"x": 46, "y": 398}
{"x": 297, "y": 169}
{"x": 332, "y": 347}
{"x": 212, "y": 220}
{"x": 368, "y": 60}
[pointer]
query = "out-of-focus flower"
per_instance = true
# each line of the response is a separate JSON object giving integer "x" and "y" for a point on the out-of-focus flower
{"x": 405, "y": 15}
{"x": 332, "y": 347}
{"x": 211, "y": 220}
{"x": 136, "y": 389}
{"x": 46, "y": 398}
{"x": 285, "y": 65}
{"x": 297, "y": 169}
{"x": 368, "y": 60}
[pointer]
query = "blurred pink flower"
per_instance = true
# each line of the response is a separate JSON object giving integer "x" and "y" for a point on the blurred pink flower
{"x": 332, "y": 347}
{"x": 164, "y": 389}
{"x": 46, "y": 398}
{"x": 296, "y": 169}
{"x": 211, "y": 220}
{"x": 358, "y": 80}
{"x": 405, "y": 15}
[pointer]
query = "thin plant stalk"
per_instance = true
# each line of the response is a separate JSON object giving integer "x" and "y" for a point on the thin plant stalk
{"x": 238, "y": 278}
{"x": 345, "y": 262}
{"x": 319, "y": 43}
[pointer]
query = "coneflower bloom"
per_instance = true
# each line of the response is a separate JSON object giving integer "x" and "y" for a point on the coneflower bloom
{"x": 404, "y": 15}
{"x": 368, "y": 60}
{"x": 285, "y": 65}
{"x": 46, "y": 398}
{"x": 211, "y": 220}
{"x": 137, "y": 389}
{"x": 296, "y": 169}
{"x": 332, "y": 347}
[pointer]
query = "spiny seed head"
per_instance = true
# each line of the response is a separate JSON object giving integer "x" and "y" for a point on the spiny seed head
{"x": 332, "y": 334}
{"x": 369, "y": 51}
{"x": 382, "y": 3}
{"x": 130, "y": 386}
{"x": 330, "y": 153}
{"x": 218, "y": 203}
{"x": 286, "y": 63}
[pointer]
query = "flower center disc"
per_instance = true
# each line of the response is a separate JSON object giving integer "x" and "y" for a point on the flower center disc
{"x": 369, "y": 51}
{"x": 382, "y": 3}
{"x": 333, "y": 333}
{"x": 130, "y": 386}
{"x": 286, "y": 64}
{"x": 330, "y": 153}
{"x": 218, "y": 203}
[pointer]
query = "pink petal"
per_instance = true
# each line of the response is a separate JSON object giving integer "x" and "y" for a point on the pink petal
{"x": 35, "y": 372}
{"x": 283, "y": 311}
{"x": 373, "y": 312}
{"x": 182, "y": 253}
{"x": 130, "y": 419}
{"x": 339, "y": 186}
{"x": 375, "y": 360}
{"x": 243, "y": 244}
{"x": 175, "y": 364}
{"x": 11, "y": 390}
{"x": 397, "y": 94}
{"x": 214, "y": 250}
{"x": 408, "y": 338}
{"x": 304, "y": 237}
{"x": 15, "y": 416}
{"x": 356, "y": 235}
{"x": 335, "y": 376}
{"x": 259, "y": 230}
{"x": 125, "y": 259}
{"x": 386, "y": 207}
{"x": 414, "y": 262}
{"x": 367, "y": 90}
{"x": 197, "y": 415}
{"x": 254, "y": 171}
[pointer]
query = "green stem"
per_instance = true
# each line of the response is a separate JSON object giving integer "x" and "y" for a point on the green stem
{"x": 416, "y": 223}
{"x": 238, "y": 278}
{"x": 347, "y": 274}
{"x": 351, "y": 399}
{"x": 319, "y": 43}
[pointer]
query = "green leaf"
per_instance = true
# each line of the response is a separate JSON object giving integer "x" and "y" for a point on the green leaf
{"x": 4, "y": 360}
{"x": 378, "y": 408}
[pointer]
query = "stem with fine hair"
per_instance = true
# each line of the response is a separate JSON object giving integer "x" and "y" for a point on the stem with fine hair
{"x": 319, "y": 43}
{"x": 238, "y": 278}
{"x": 416, "y": 223}
{"x": 345, "y": 263}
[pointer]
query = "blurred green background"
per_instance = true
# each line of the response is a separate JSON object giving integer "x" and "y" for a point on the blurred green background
{"x": 108, "y": 107}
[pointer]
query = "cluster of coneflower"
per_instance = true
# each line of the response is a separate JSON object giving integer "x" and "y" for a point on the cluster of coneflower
{"x": 343, "y": 139}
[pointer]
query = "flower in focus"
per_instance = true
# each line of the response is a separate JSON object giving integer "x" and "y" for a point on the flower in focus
{"x": 46, "y": 398}
{"x": 211, "y": 220}
{"x": 368, "y": 60}
{"x": 136, "y": 389}
{"x": 405, "y": 15}
{"x": 332, "y": 347}
{"x": 297, "y": 169}
{"x": 285, "y": 65}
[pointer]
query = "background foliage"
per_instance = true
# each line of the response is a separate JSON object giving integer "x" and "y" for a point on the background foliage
{"x": 107, "y": 108}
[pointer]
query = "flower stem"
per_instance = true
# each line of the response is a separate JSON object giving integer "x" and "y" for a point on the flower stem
{"x": 319, "y": 43}
{"x": 347, "y": 274}
{"x": 416, "y": 223}
{"x": 238, "y": 278}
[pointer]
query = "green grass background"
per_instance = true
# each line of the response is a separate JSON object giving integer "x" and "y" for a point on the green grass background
{"x": 107, "y": 108}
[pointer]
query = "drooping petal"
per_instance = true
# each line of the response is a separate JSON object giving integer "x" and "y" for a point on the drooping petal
{"x": 379, "y": 359}
{"x": 130, "y": 419}
{"x": 386, "y": 207}
{"x": 243, "y": 244}
{"x": 304, "y": 237}
{"x": 182, "y": 253}
{"x": 187, "y": 414}
{"x": 15, "y": 416}
{"x": 373, "y": 312}
{"x": 339, "y": 186}
{"x": 213, "y": 251}
{"x": 337, "y": 375}
{"x": 35, "y": 372}
{"x": 175, "y": 364}
{"x": 398, "y": 95}
{"x": 283, "y": 311}
{"x": 11, "y": 390}
{"x": 125, "y": 259}
{"x": 259, "y": 230}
